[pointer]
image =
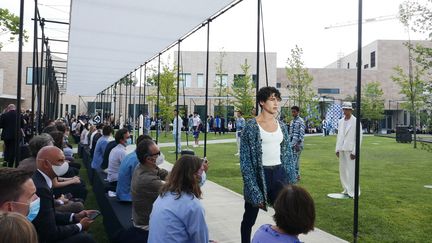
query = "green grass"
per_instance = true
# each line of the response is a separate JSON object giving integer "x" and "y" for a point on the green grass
{"x": 168, "y": 137}
{"x": 394, "y": 206}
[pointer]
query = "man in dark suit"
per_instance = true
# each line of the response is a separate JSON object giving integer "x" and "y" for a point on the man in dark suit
{"x": 8, "y": 123}
{"x": 50, "y": 225}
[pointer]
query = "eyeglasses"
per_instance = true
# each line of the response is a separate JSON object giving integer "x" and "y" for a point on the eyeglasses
{"x": 158, "y": 153}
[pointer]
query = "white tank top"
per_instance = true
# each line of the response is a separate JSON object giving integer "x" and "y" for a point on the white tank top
{"x": 271, "y": 146}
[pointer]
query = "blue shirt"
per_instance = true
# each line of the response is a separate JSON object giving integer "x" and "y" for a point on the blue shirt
{"x": 99, "y": 152}
{"x": 127, "y": 167}
{"x": 266, "y": 234}
{"x": 178, "y": 220}
{"x": 240, "y": 124}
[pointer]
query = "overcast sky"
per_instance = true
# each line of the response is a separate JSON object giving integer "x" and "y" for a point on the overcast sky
{"x": 286, "y": 23}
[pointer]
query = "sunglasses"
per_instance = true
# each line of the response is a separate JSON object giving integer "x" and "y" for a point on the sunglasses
{"x": 158, "y": 153}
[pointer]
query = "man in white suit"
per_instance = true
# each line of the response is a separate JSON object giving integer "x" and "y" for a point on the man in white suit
{"x": 346, "y": 148}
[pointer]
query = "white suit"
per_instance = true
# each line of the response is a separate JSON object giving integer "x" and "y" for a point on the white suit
{"x": 345, "y": 145}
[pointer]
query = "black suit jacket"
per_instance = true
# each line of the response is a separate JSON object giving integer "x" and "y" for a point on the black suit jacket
{"x": 8, "y": 123}
{"x": 50, "y": 225}
{"x": 107, "y": 151}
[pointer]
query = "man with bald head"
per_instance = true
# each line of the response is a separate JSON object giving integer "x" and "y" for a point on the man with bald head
{"x": 50, "y": 225}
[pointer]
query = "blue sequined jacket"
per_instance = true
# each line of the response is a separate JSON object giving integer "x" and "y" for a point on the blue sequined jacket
{"x": 255, "y": 190}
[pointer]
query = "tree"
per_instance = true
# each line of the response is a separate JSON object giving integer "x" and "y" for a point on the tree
{"x": 220, "y": 85}
{"x": 372, "y": 106}
{"x": 242, "y": 91}
{"x": 412, "y": 86}
{"x": 300, "y": 82}
{"x": 167, "y": 93}
{"x": 9, "y": 25}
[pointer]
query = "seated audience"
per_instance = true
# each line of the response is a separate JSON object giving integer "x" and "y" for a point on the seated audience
{"x": 116, "y": 156}
{"x": 108, "y": 148}
{"x": 94, "y": 137}
{"x": 14, "y": 227}
{"x": 18, "y": 192}
{"x": 101, "y": 144}
{"x": 127, "y": 167}
{"x": 50, "y": 225}
{"x": 35, "y": 144}
{"x": 178, "y": 203}
{"x": 294, "y": 215}
{"x": 84, "y": 133}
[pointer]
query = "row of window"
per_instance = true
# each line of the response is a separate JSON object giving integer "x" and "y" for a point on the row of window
{"x": 372, "y": 61}
{"x": 186, "y": 79}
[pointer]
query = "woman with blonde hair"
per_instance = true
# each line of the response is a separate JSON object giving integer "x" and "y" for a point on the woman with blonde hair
{"x": 14, "y": 227}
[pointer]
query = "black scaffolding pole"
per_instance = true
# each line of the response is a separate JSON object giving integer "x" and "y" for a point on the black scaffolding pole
{"x": 207, "y": 82}
{"x": 177, "y": 100}
{"x": 258, "y": 56}
{"x": 158, "y": 97}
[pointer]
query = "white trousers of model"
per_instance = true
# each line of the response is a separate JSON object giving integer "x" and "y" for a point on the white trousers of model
{"x": 347, "y": 172}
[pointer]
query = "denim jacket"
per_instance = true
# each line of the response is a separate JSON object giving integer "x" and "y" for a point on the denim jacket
{"x": 255, "y": 191}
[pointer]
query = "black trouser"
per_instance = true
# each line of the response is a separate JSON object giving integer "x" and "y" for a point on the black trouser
{"x": 275, "y": 179}
{"x": 9, "y": 151}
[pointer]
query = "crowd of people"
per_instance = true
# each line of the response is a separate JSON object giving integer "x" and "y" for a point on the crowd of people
{"x": 42, "y": 200}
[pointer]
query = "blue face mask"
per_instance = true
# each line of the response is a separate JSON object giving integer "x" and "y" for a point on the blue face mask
{"x": 129, "y": 141}
{"x": 33, "y": 209}
{"x": 202, "y": 179}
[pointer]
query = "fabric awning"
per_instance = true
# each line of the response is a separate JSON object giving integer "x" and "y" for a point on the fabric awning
{"x": 108, "y": 38}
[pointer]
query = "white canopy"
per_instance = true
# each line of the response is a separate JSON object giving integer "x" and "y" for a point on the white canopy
{"x": 110, "y": 38}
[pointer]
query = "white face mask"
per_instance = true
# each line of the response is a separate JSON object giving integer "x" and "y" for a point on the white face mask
{"x": 60, "y": 170}
{"x": 160, "y": 159}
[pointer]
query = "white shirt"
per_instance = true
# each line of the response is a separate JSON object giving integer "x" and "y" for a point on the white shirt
{"x": 84, "y": 134}
{"x": 196, "y": 121}
{"x": 175, "y": 125}
{"x": 270, "y": 142}
{"x": 74, "y": 124}
{"x": 115, "y": 157}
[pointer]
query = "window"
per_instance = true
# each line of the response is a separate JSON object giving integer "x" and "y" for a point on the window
{"x": 200, "y": 80}
{"x": 222, "y": 78}
{"x": 186, "y": 80}
{"x": 29, "y": 79}
{"x": 372, "y": 59}
{"x": 278, "y": 85}
{"x": 328, "y": 91}
{"x": 348, "y": 66}
{"x": 73, "y": 110}
{"x": 366, "y": 66}
{"x": 254, "y": 79}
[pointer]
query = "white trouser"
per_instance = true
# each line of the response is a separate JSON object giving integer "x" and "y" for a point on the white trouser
{"x": 347, "y": 172}
{"x": 179, "y": 141}
{"x": 238, "y": 142}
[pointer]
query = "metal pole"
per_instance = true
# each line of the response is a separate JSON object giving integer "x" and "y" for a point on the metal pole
{"x": 144, "y": 92}
{"x": 130, "y": 95}
{"x": 158, "y": 97}
{"x": 140, "y": 111}
{"x": 358, "y": 115}
{"x": 19, "y": 79}
{"x": 39, "y": 109}
{"x": 177, "y": 103}
{"x": 34, "y": 76}
{"x": 207, "y": 82}
{"x": 125, "y": 117}
{"x": 134, "y": 115}
{"x": 258, "y": 55}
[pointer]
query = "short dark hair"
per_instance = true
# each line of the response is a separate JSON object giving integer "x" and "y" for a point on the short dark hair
{"x": 296, "y": 108}
{"x": 294, "y": 210}
{"x": 49, "y": 129}
{"x": 265, "y": 92}
{"x": 143, "y": 149}
{"x": 38, "y": 142}
{"x": 142, "y": 137}
{"x": 60, "y": 126}
{"x": 182, "y": 177}
{"x": 107, "y": 130}
{"x": 11, "y": 181}
{"x": 120, "y": 134}
{"x": 58, "y": 139}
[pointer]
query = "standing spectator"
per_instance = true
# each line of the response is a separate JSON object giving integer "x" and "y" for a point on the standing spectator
{"x": 101, "y": 144}
{"x": 84, "y": 133}
{"x": 266, "y": 160}
{"x": 296, "y": 135}
{"x": 16, "y": 228}
{"x": 178, "y": 203}
{"x": 177, "y": 128}
{"x": 324, "y": 127}
{"x": 217, "y": 125}
{"x": 240, "y": 124}
{"x": 8, "y": 123}
{"x": 196, "y": 128}
{"x": 294, "y": 215}
{"x": 222, "y": 125}
{"x": 116, "y": 155}
{"x": 346, "y": 149}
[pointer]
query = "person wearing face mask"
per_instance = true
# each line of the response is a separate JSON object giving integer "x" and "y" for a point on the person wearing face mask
{"x": 127, "y": 167}
{"x": 18, "y": 192}
{"x": 147, "y": 180}
{"x": 50, "y": 225}
{"x": 178, "y": 203}
{"x": 116, "y": 156}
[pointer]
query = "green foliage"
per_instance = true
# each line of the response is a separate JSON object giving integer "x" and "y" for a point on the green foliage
{"x": 372, "y": 105}
{"x": 9, "y": 25}
{"x": 221, "y": 89}
{"x": 417, "y": 16}
{"x": 300, "y": 87}
{"x": 242, "y": 91}
{"x": 167, "y": 92}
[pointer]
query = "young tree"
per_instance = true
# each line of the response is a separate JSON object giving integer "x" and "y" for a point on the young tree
{"x": 242, "y": 91}
{"x": 412, "y": 86}
{"x": 220, "y": 85}
{"x": 300, "y": 90}
{"x": 167, "y": 93}
{"x": 9, "y": 25}
{"x": 372, "y": 105}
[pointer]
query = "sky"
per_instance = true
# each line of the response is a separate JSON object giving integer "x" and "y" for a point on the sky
{"x": 286, "y": 24}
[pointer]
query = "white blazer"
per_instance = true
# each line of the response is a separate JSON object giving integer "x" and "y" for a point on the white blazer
{"x": 346, "y": 137}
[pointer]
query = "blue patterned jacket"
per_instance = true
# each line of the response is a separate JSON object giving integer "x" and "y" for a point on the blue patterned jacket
{"x": 254, "y": 190}
{"x": 297, "y": 132}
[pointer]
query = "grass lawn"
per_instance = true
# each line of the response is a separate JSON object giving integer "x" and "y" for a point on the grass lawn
{"x": 168, "y": 137}
{"x": 394, "y": 206}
